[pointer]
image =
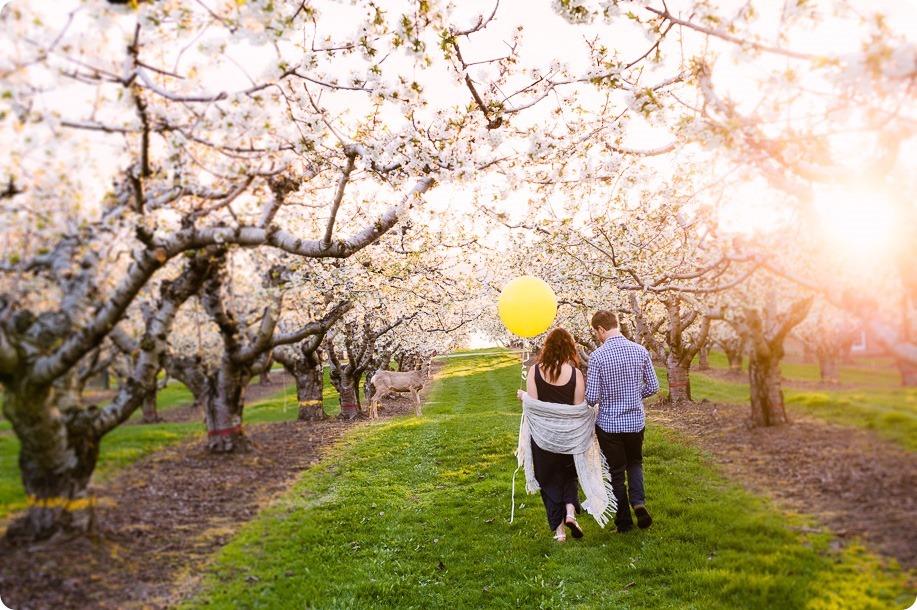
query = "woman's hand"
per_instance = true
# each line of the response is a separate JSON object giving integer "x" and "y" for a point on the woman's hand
{"x": 519, "y": 394}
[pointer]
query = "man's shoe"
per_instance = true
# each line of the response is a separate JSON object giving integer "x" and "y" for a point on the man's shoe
{"x": 644, "y": 520}
{"x": 623, "y": 529}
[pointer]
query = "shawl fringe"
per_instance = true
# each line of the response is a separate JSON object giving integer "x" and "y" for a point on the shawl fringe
{"x": 567, "y": 429}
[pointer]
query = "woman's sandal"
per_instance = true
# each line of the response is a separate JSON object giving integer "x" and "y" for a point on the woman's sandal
{"x": 560, "y": 538}
{"x": 575, "y": 529}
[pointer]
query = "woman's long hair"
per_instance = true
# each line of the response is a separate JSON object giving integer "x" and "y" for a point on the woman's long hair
{"x": 559, "y": 349}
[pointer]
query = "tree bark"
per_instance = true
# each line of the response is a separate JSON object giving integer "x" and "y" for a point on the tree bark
{"x": 150, "y": 414}
{"x": 308, "y": 373}
{"x": 350, "y": 406}
{"x": 828, "y": 368}
{"x": 310, "y": 393}
{"x": 679, "y": 379}
{"x": 767, "y": 407}
{"x": 703, "y": 359}
{"x": 829, "y": 341}
{"x": 57, "y": 457}
{"x": 908, "y": 374}
{"x": 733, "y": 349}
{"x": 223, "y": 407}
{"x": 59, "y": 440}
{"x": 735, "y": 362}
{"x": 766, "y": 338}
{"x": 681, "y": 347}
{"x": 808, "y": 355}
{"x": 360, "y": 345}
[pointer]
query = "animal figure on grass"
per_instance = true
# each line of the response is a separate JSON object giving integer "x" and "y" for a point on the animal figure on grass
{"x": 396, "y": 381}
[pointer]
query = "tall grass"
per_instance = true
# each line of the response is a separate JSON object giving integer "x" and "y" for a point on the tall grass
{"x": 414, "y": 513}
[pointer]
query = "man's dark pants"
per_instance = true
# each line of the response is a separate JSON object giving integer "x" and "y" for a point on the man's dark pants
{"x": 624, "y": 453}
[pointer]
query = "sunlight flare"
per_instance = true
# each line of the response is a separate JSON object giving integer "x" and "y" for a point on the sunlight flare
{"x": 859, "y": 221}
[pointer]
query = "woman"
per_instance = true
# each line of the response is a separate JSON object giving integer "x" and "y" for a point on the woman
{"x": 556, "y": 378}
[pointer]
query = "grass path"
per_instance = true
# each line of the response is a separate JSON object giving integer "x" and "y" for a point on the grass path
{"x": 414, "y": 513}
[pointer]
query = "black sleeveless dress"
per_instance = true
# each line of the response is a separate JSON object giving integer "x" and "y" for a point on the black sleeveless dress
{"x": 555, "y": 472}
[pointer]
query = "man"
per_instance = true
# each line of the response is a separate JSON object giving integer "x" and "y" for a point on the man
{"x": 620, "y": 376}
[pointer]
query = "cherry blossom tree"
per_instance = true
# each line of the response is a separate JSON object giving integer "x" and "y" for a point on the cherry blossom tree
{"x": 176, "y": 128}
{"x": 723, "y": 336}
{"x": 244, "y": 125}
{"x": 304, "y": 362}
{"x": 60, "y": 445}
{"x": 828, "y": 333}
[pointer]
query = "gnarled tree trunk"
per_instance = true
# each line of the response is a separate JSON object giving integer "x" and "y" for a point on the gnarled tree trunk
{"x": 57, "y": 456}
{"x": 308, "y": 373}
{"x": 150, "y": 413}
{"x": 829, "y": 368}
{"x": 304, "y": 363}
{"x": 679, "y": 375}
{"x": 223, "y": 407}
{"x": 703, "y": 359}
{"x": 766, "y": 338}
{"x": 734, "y": 349}
{"x": 767, "y": 408}
{"x": 908, "y": 374}
{"x": 59, "y": 440}
{"x": 682, "y": 348}
{"x": 310, "y": 386}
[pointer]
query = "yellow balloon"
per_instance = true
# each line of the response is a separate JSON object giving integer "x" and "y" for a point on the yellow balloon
{"x": 527, "y": 306}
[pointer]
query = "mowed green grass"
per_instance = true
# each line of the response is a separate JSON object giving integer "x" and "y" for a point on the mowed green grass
{"x": 415, "y": 513}
{"x": 877, "y": 401}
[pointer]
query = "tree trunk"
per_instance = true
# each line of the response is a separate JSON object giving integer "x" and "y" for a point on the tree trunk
{"x": 223, "y": 413}
{"x": 355, "y": 379}
{"x": 847, "y": 353}
{"x": 342, "y": 381}
{"x": 809, "y": 355}
{"x": 703, "y": 359}
{"x": 350, "y": 408}
{"x": 265, "y": 377}
{"x": 828, "y": 368}
{"x": 309, "y": 393}
{"x": 57, "y": 455}
{"x": 59, "y": 440}
{"x": 765, "y": 335}
{"x": 679, "y": 379}
{"x": 764, "y": 376}
{"x": 908, "y": 374}
{"x": 310, "y": 380}
{"x": 150, "y": 414}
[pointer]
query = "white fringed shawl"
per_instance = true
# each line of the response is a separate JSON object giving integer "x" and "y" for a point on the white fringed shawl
{"x": 568, "y": 429}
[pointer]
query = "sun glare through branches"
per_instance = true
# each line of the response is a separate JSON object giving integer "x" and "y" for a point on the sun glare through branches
{"x": 856, "y": 223}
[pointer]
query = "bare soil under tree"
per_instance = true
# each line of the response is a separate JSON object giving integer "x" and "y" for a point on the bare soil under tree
{"x": 161, "y": 519}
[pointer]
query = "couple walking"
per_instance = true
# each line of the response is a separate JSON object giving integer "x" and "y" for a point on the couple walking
{"x": 562, "y": 438}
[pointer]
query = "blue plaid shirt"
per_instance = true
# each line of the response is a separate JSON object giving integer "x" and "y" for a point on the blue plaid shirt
{"x": 620, "y": 376}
